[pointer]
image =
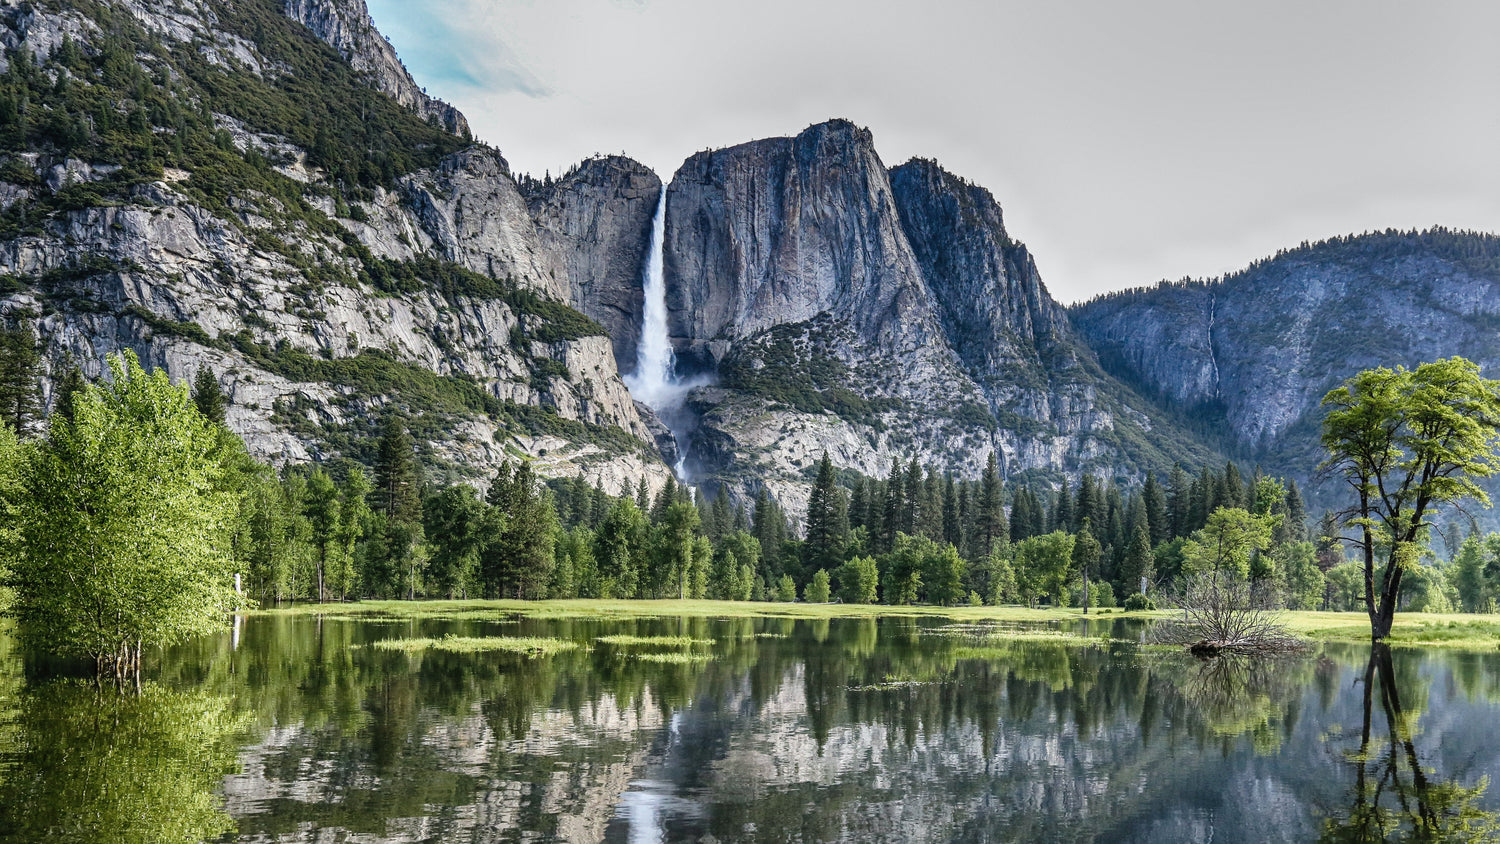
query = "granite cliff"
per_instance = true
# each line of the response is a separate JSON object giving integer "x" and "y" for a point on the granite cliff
{"x": 879, "y": 314}
{"x": 210, "y": 185}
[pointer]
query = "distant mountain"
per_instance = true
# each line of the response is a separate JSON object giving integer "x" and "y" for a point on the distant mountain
{"x": 1252, "y": 355}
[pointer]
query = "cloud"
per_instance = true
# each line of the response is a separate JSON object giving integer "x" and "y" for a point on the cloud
{"x": 455, "y": 44}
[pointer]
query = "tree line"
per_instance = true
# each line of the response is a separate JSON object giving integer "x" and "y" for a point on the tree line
{"x": 133, "y": 515}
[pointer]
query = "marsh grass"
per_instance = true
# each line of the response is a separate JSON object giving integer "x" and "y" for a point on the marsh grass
{"x": 675, "y": 657}
{"x": 628, "y": 641}
{"x": 525, "y": 645}
{"x": 1459, "y": 631}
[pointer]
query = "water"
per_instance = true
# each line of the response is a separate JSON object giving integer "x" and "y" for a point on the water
{"x": 655, "y": 381}
{"x": 791, "y": 730}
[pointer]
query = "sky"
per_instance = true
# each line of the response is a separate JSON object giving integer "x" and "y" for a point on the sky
{"x": 1127, "y": 142}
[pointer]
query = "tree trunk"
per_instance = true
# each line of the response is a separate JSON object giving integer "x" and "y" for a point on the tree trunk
{"x": 1085, "y": 591}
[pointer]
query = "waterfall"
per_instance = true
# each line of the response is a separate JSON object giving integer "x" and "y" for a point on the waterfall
{"x": 655, "y": 382}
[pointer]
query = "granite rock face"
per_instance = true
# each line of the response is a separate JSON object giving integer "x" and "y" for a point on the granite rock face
{"x": 277, "y": 303}
{"x": 347, "y": 27}
{"x": 598, "y": 219}
{"x": 878, "y": 314}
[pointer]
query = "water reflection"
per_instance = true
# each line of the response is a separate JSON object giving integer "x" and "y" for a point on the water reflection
{"x": 896, "y": 729}
{"x": 1394, "y": 796}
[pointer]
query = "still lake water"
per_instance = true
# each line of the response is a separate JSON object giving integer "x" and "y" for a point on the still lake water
{"x": 896, "y": 729}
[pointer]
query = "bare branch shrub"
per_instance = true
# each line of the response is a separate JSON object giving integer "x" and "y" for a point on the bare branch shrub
{"x": 1224, "y": 613}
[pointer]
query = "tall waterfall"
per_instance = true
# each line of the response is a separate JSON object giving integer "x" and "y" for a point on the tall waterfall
{"x": 655, "y": 381}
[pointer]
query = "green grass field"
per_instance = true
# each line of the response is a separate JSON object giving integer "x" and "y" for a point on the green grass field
{"x": 1411, "y": 630}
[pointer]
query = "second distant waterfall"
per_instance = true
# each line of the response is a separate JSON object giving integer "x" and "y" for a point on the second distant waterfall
{"x": 655, "y": 382}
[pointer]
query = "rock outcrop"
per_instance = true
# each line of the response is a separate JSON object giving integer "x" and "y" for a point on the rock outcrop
{"x": 878, "y": 315}
{"x": 597, "y": 218}
{"x": 317, "y": 306}
{"x": 347, "y": 27}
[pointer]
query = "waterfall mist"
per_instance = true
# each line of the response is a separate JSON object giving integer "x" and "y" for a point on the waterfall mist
{"x": 655, "y": 382}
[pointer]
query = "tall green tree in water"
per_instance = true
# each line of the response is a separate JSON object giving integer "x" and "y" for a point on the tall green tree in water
{"x": 1406, "y": 443}
{"x": 123, "y": 524}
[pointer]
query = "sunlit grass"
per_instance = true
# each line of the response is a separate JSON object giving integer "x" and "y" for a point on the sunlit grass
{"x": 627, "y": 641}
{"x": 675, "y": 657}
{"x": 526, "y": 645}
{"x": 1462, "y": 631}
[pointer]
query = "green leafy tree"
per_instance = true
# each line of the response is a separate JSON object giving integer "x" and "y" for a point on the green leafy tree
{"x": 1302, "y": 579}
{"x": 1406, "y": 443}
{"x": 353, "y": 526}
{"x": 122, "y": 525}
{"x": 786, "y": 589}
{"x": 1044, "y": 567}
{"x": 324, "y": 511}
{"x": 1227, "y": 543}
{"x": 1469, "y": 578}
{"x": 14, "y": 455}
{"x": 817, "y": 589}
{"x": 859, "y": 580}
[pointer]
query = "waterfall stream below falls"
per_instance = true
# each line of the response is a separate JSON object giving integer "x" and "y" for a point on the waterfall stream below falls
{"x": 655, "y": 382}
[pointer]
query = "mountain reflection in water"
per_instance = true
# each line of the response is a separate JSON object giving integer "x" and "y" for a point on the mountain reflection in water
{"x": 689, "y": 729}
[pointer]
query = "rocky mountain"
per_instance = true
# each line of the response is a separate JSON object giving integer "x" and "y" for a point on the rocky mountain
{"x": 598, "y": 217}
{"x": 1251, "y": 355}
{"x": 209, "y": 184}
{"x": 878, "y": 314}
{"x": 347, "y": 27}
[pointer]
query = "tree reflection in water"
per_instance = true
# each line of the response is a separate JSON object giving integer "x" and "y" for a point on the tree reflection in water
{"x": 1394, "y": 797}
{"x": 90, "y": 765}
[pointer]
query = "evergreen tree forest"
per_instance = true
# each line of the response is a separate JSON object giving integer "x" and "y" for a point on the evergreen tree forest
{"x": 343, "y": 531}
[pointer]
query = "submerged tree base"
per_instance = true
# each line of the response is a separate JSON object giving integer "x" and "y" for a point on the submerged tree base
{"x": 1223, "y": 614}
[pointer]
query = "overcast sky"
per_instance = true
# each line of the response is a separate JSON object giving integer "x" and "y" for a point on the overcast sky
{"x": 1127, "y": 141}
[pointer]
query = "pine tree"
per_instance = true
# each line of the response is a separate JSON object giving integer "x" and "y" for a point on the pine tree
{"x": 895, "y": 506}
{"x": 68, "y": 387}
{"x": 952, "y": 528}
{"x": 990, "y": 520}
{"x": 1138, "y": 561}
{"x": 1179, "y": 502}
{"x": 1062, "y": 512}
{"x": 207, "y": 396}
{"x": 1087, "y": 504}
{"x": 643, "y": 496}
{"x": 827, "y": 522}
{"x": 1296, "y": 513}
{"x": 396, "y": 473}
{"x": 858, "y": 504}
{"x": 720, "y": 519}
{"x": 1086, "y": 553}
{"x": 912, "y": 493}
{"x": 1158, "y": 523}
{"x": 19, "y": 368}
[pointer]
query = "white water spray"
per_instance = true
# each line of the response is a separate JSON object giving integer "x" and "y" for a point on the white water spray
{"x": 655, "y": 381}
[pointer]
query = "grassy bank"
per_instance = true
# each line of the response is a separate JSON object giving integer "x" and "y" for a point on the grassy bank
{"x": 1411, "y": 630}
